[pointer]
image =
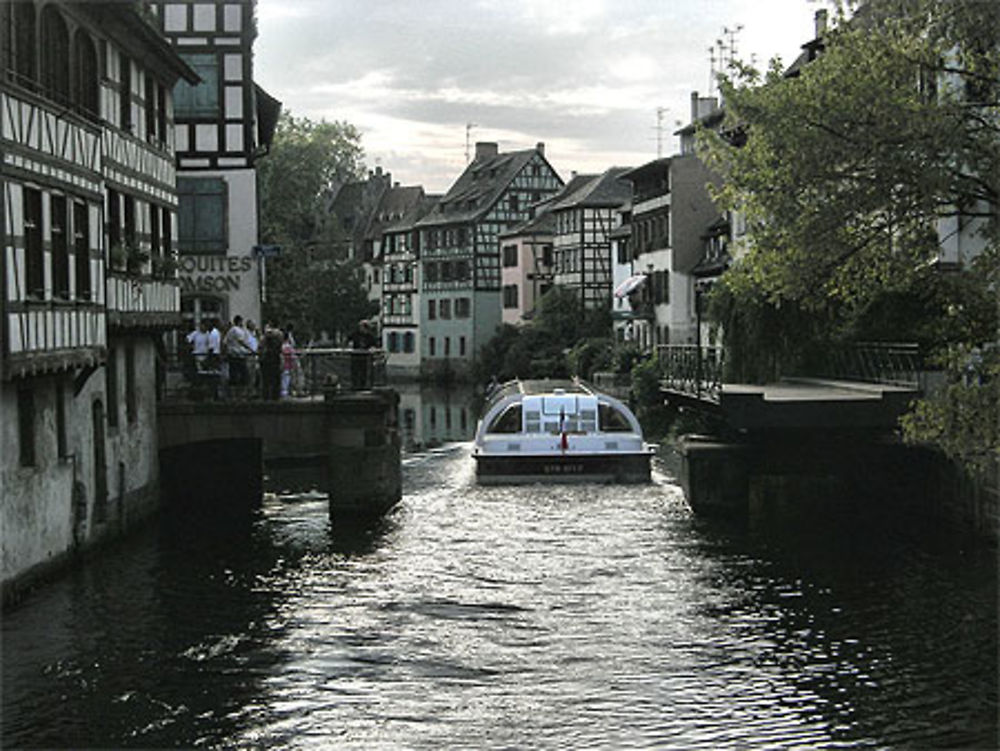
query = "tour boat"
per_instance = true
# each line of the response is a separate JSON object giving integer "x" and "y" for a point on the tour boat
{"x": 536, "y": 431}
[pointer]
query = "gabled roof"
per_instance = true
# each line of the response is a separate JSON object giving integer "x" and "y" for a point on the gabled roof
{"x": 407, "y": 209}
{"x": 607, "y": 190}
{"x": 479, "y": 187}
{"x": 649, "y": 168}
{"x": 544, "y": 220}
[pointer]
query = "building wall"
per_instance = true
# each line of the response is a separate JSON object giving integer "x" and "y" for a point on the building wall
{"x": 231, "y": 277}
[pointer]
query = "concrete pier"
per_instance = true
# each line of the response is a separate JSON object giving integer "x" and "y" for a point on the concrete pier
{"x": 213, "y": 453}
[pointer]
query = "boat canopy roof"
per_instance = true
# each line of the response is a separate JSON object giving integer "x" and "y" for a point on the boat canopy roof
{"x": 546, "y": 402}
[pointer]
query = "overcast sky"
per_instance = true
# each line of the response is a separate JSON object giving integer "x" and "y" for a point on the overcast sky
{"x": 586, "y": 77}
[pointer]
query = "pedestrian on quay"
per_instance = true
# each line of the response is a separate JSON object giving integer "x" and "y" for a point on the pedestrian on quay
{"x": 270, "y": 361}
{"x": 237, "y": 346}
{"x": 199, "y": 344}
{"x": 253, "y": 359}
{"x": 288, "y": 364}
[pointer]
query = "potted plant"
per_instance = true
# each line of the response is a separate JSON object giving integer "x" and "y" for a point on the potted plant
{"x": 118, "y": 257}
{"x": 164, "y": 267}
{"x": 136, "y": 258}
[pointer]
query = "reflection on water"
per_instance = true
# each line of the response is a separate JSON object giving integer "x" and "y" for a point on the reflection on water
{"x": 431, "y": 417}
{"x": 542, "y": 616}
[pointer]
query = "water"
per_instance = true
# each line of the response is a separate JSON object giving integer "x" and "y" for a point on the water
{"x": 540, "y": 617}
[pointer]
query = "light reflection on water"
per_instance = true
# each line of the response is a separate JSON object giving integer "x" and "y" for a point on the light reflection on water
{"x": 546, "y": 616}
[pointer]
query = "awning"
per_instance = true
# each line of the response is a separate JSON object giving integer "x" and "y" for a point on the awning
{"x": 630, "y": 285}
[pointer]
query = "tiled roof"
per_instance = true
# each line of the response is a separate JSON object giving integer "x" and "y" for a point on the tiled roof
{"x": 608, "y": 189}
{"x": 478, "y": 188}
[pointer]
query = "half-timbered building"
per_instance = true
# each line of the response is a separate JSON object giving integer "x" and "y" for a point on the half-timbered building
{"x": 460, "y": 276}
{"x": 89, "y": 206}
{"x": 582, "y": 248}
{"x": 398, "y": 259}
{"x": 225, "y": 122}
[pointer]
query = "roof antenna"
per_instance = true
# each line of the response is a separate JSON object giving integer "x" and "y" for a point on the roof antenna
{"x": 468, "y": 140}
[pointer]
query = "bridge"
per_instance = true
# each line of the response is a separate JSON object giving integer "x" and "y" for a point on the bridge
{"x": 339, "y": 416}
{"x": 825, "y": 429}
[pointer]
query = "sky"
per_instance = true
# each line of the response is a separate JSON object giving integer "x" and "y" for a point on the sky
{"x": 591, "y": 79}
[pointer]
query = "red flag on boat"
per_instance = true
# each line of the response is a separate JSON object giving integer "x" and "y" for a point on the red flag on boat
{"x": 564, "y": 442}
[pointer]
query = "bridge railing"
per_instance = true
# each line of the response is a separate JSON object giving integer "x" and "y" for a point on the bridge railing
{"x": 314, "y": 372}
{"x": 690, "y": 369}
{"x": 889, "y": 363}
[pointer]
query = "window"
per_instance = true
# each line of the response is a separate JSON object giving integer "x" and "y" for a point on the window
{"x": 114, "y": 222}
{"x": 431, "y": 347}
{"x": 431, "y": 309}
{"x": 34, "y": 256}
{"x": 61, "y": 436}
{"x": 447, "y": 346}
{"x": 461, "y": 346}
{"x": 131, "y": 396}
{"x": 55, "y": 54}
{"x": 431, "y": 272}
{"x": 81, "y": 250}
{"x": 125, "y": 94}
{"x": 462, "y": 271}
{"x": 462, "y": 307}
{"x": 393, "y": 344}
{"x": 111, "y": 386}
{"x": 198, "y": 100}
{"x": 508, "y": 421}
{"x": 510, "y": 255}
{"x": 510, "y": 296}
{"x": 86, "y": 76}
{"x": 26, "y": 426}
{"x": 408, "y": 341}
{"x": 612, "y": 421}
{"x": 155, "y": 246}
{"x": 514, "y": 203}
{"x": 547, "y": 255}
{"x": 21, "y": 55}
{"x": 444, "y": 309}
{"x": 59, "y": 246}
{"x": 201, "y": 223}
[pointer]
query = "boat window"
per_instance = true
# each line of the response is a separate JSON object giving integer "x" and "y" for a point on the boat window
{"x": 509, "y": 421}
{"x": 588, "y": 420}
{"x": 613, "y": 421}
{"x": 532, "y": 421}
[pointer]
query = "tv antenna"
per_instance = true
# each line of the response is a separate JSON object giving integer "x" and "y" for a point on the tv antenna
{"x": 468, "y": 140}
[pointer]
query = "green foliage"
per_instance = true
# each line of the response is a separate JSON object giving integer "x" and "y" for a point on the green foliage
{"x": 562, "y": 340}
{"x": 844, "y": 174}
{"x": 963, "y": 418}
{"x": 846, "y": 168}
{"x": 306, "y": 160}
{"x": 592, "y": 354}
{"x": 305, "y": 286}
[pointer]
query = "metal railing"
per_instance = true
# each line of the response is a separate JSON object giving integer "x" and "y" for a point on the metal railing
{"x": 889, "y": 363}
{"x": 691, "y": 369}
{"x": 314, "y": 373}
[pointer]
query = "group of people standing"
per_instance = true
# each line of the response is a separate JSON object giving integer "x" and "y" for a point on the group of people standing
{"x": 242, "y": 357}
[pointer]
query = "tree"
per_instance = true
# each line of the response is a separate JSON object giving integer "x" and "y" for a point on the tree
{"x": 844, "y": 173}
{"x": 306, "y": 284}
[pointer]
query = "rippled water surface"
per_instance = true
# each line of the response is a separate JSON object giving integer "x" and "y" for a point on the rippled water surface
{"x": 555, "y": 616}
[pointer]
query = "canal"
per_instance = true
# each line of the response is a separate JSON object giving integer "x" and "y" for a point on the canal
{"x": 557, "y": 616}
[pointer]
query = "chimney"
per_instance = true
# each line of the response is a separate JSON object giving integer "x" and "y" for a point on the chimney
{"x": 540, "y": 148}
{"x": 486, "y": 149}
{"x": 820, "y": 22}
{"x": 694, "y": 106}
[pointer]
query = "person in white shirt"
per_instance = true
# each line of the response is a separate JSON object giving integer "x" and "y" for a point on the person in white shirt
{"x": 198, "y": 339}
{"x": 237, "y": 350}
